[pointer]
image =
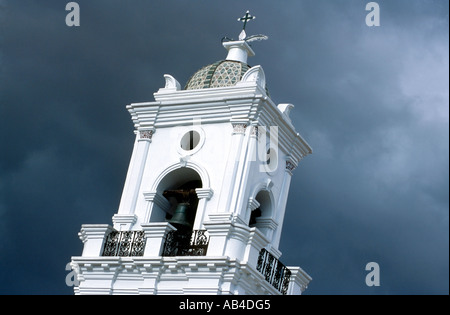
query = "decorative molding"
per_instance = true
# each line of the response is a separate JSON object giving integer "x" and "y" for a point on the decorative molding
{"x": 146, "y": 134}
{"x": 171, "y": 86}
{"x": 255, "y": 131}
{"x": 239, "y": 128}
{"x": 286, "y": 110}
{"x": 171, "y": 83}
{"x": 124, "y": 220}
{"x": 93, "y": 237}
{"x": 221, "y": 105}
{"x": 219, "y": 217}
{"x": 253, "y": 204}
{"x": 268, "y": 184}
{"x": 290, "y": 166}
{"x": 184, "y": 160}
{"x": 255, "y": 74}
{"x": 181, "y": 273}
{"x": 204, "y": 193}
{"x": 157, "y": 199}
{"x": 267, "y": 223}
{"x": 300, "y": 279}
{"x": 94, "y": 231}
{"x": 191, "y": 165}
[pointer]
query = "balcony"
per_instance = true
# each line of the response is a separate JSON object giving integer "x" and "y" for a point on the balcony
{"x": 220, "y": 247}
{"x": 177, "y": 243}
{"x": 277, "y": 274}
{"x": 180, "y": 243}
{"x": 125, "y": 244}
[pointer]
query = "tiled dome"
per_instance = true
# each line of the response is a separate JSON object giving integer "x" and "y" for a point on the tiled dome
{"x": 219, "y": 74}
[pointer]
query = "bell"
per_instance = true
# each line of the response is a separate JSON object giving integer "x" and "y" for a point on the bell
{"x": 180, "y": 218}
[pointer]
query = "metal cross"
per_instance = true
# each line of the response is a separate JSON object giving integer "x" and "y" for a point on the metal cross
{"x": 246, "y": 18}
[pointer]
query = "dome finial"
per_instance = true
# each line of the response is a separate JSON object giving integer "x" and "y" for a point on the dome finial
{"x": 247, "y": 17}
{"x": 240, "y": 50}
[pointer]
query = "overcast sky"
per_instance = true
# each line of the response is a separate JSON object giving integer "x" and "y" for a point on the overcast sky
{"x": 373, "y": 102}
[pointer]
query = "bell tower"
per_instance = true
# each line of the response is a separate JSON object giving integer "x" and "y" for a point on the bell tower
{"x": 205, "y": 195}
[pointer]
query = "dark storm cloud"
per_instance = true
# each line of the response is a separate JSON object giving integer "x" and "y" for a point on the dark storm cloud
{"x": 372, "y": 102}
{"x": 378, "y": 121}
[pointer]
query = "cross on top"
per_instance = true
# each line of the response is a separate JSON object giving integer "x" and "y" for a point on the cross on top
{"x": 246, "y": 18}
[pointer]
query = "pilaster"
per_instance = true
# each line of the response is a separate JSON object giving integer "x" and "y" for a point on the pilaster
{"x": 299, "y": 281}
{"x": 155, "y": 234}
{"x": 134, "y": 176}
{"x": 93, "y": 236}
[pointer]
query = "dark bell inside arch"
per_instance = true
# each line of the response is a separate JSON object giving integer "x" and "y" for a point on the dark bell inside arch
{"x": 181, "y": 219}
{"x": 185, "y": 199}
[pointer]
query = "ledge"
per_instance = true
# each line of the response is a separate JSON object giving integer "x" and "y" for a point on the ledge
{"x": 299, "y": 281}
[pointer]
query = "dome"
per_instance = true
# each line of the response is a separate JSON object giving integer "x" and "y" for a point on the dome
{"x": 219, "y": 74}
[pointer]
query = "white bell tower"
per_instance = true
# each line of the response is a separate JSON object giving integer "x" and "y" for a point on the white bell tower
{"x": 205, "y": 195}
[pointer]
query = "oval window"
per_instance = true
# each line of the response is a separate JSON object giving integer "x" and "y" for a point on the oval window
{"x": 190, "y": 140}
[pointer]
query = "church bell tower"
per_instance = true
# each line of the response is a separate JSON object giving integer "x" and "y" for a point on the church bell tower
{"x": 205, "y": 195}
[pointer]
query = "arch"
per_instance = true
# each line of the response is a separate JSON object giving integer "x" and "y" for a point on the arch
{"x": 204, "y": 177}
{"x": 178, "y": 178}
{"x": 175, "y": 177}
{"x": 262, "y": 210}
{"x": 266, "y": 205}
{"x": 269, "y": 199}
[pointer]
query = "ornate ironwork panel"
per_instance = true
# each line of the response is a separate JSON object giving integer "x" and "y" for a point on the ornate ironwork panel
{"x": 277, "y": 274}
{"x": 180, "y": 243}
{"x": 111, "y": 244}
{"x": 138, "y": 245}
{"x": 125, "y": 244}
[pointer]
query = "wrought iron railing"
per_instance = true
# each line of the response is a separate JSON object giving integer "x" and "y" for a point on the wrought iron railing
{"x": 277, "y": 274}
{"x": 180, "y": 243}
{"x": 125, "y": 244}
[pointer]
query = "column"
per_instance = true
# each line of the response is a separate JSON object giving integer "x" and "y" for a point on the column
{"x": 203, "y": 194}
{"x": 231, "y": 170}
{"x": 134, "y": 179}
{"x": 282, "y": 201}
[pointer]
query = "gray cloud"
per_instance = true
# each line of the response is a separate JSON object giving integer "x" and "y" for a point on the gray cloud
{"x": 373, "y": 103}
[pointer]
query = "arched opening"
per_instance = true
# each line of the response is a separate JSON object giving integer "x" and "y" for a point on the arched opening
{"x": 178, "y": 187}
{"x": 260, "y": 216}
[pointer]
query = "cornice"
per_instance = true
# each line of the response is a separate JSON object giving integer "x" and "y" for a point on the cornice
{"x": 243, "y": 104}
